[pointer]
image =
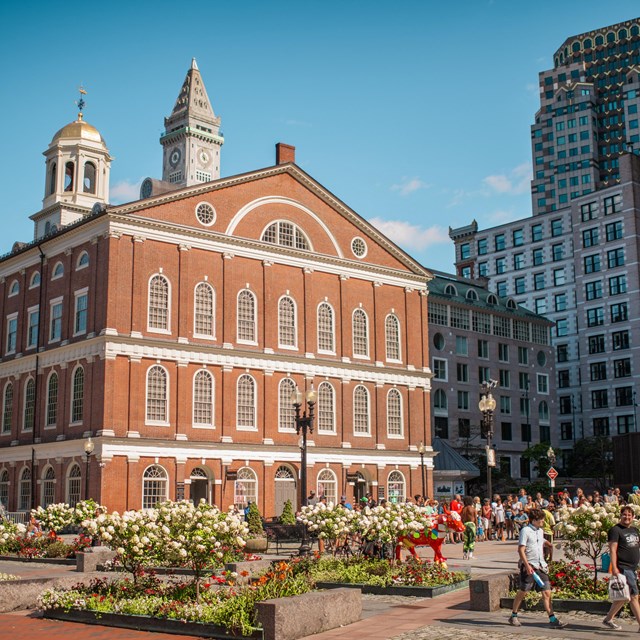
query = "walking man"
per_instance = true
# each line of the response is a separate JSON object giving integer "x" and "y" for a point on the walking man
{"x": 533, "y": 569}
{"x": 624, "y": 547}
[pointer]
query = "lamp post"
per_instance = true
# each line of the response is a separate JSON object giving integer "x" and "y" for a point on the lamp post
{"x": 89, "y": 446}
{"x": 551, "y": 456}
{"x": 422, "y": 450}
{"x": 304, "y": 425}
{"x": 487, "y": 406}
{"x": 527, "y": 411}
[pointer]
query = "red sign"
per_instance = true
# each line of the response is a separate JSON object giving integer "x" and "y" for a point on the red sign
{"x": 552, "y": 473}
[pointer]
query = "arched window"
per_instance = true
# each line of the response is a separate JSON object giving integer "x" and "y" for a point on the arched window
{"x": 14, "y": 289}
{"x": 472, "y": 295}
{"x": 511, "y": 304}
{"x": 58, "y": 271}
{"x": 159, "y": 303}
{"x": 29, "y": 405}
{"x": 83, "y": 260}
{"x": 394, "y": 414}
{"x": 48, "y": 487}
{"x": 287, "y": 322}
{"x": 7, "y": 408}
{"x": 157, "y": 399}
{"x": 326, "y": 341}
{"x": 203, "y": 399}
{"x": 440, "y": 399}
{"x": 47, "y": 228}
{"x": 492, "y": 299}
{"x": 326, "y": 408}
{"x": 35, "y": 280}
{"x": 361, "y": 424}
{"x": 154, "y": 486}
{"x": 246, "y": 316}
{"x": 246, "y": 487}
{"x": 4, "y": 489}
{"x": 246, "y": 402}
{"x": 73, "y": 485}
{"x": 287, "y": 413}
{"x": 24, "y": 490}
{"x": 450, "y": 290}
{"x": 392, "y": 336}
{"x": 52, "y": 178}
{"x": 77, "y": 395}
{"x": 204, "y": 311}
{"x": 89, "y": 182}
{"x": 327, "y": 486}
{"x": 286, "y": 234}
{"x": 543, "y": 411}
{"x": 52, "y": 400}
{"x": 360, "y": 328}
{"x": 69, "y": 171}
{"x": 396, "y": 487}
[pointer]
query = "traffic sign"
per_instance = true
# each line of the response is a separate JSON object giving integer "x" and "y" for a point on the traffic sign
{"x": 552, "y": 474}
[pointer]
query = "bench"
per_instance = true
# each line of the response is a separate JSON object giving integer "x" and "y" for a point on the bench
{"x": 280, "y": 533}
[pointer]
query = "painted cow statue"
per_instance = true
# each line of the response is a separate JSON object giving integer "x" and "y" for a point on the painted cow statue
{"x": 434, "y": 537}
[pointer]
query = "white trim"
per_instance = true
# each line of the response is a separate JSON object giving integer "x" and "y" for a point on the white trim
{"x": 10, "y": 317}
{"x": 54, "y": 275}
{"x": 150, "y": 329}
{"x": 82, "y": 266}
{"x": 255, "y": 317}
{"x": 204, "y": 336}
{"x": 76, "y": 295}
{"x": 14, "y": 285}
{"x": 293, "y": 347}
{"x": 157, "y": 423}
{"x": 71, "y": 380}
{"x": 255, "y": 404}
{"x": 203, "y": 425}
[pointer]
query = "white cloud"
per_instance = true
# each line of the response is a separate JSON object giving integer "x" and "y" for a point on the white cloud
{"x": 409, "y": 185}
{"x": 502, "y": 216}
{"x": 411, "y": 236}
{"x": 125, "y": 191}
{"x": 518, "y": 180}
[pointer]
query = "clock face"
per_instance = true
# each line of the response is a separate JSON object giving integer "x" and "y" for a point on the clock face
{"x": 175, "y": 156}
{"x": 203, "y": 156}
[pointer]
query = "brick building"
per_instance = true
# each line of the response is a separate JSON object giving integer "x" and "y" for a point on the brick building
{"x": 174, "y": 329}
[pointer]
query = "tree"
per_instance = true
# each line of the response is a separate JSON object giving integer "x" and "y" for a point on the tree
{"x": 288, "y": 516}
{"x": 254, "y": 521}
{"x": 537, "y": 454}
{"x": 592, "y": 458}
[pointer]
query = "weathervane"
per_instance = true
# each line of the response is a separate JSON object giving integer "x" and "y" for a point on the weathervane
{"x": 80, "y": 102}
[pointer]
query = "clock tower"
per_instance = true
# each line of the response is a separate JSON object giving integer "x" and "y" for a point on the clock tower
{"x": 192, "y": 140}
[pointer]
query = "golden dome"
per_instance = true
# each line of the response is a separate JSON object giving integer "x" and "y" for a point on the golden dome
{"x": 78, "y": 129}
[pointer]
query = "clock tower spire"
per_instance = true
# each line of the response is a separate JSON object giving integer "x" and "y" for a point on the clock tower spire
{"x": 192, "y": 140}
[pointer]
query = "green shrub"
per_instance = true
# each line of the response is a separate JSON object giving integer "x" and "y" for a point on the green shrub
{"x": 254, "y": 520}
{"x": 288, "y": 516}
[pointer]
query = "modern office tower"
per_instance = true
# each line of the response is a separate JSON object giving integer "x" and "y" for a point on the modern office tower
{"x": 476, "y": 336}
{"x": 588, "y": 115}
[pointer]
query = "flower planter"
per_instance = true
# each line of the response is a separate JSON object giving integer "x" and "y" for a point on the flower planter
{"x": 596, "y": 607}
{"x": 147, "y": 623}
{"x": 399, "y": 590}
{"x": 256, "y": 545}
{"x": 66, "y": 561}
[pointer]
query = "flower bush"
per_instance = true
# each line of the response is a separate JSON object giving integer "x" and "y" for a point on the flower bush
{"x": 59, "y": 516}
{"x": 9, "y": 532}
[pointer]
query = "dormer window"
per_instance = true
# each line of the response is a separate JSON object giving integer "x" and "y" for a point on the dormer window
{"x": 491, "y": 299}
{"x": 472, "y": 295}
{"x": 285, "y": 234}
{"x": 511, "y": 304}
{"x": 450, "y": 290}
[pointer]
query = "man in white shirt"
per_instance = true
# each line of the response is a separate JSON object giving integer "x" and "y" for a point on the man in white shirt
{"x": 533, "y": 568}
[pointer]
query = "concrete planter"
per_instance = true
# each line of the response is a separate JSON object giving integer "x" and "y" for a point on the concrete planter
{"x": 596, "y": 607}
{"x": 418, "y": 592}
{"x": 65, "y": 561}
{"x": 256, "y": 545}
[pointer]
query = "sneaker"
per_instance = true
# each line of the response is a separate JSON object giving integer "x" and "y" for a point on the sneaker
{"x": 556, "y": 624}
{"x": 514, "y": 622}
{"x": 610, "y": 624}
{"x": 464, "y": 555}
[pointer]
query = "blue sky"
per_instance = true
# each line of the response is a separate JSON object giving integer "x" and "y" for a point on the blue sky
{"x": 417, "y": 115}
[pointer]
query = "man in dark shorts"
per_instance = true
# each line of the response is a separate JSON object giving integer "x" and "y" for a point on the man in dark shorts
{"x": 624, "y": 547}
{"x": 533, "y": 568}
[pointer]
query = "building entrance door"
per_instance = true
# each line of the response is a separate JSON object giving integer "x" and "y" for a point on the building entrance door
{"x": 200, "y": 486}
{"x": 286, "y": 489}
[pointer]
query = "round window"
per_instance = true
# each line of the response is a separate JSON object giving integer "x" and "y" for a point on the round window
{"x": 438, "y": 341}
{"x": 359, "y": 247}
{"x": 542, "y": 358}
{"x": 205, "y": 213}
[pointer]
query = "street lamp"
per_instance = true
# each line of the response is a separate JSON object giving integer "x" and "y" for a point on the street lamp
{"x": 487, "y": 406}
{"x": 304, "y": 425}
{"x": 422, "y": 450}
{"x": 527, "y": 411}
{"x": 89, "y": 446}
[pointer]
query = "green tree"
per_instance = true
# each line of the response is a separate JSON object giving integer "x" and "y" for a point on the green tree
{"x": 288, "y": 516}
{"x": 592, "y": 458}
{"x": 254, "y": 521}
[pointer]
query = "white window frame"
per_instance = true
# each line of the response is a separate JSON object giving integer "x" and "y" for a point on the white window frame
{"x": 542, "y": 383}
{"x": 77, "y": 296}
{"x": 56, "y": 302}
{"x": 356, "y": 412}
{"x": 11, "y": 415}
{"x": 356, "y": 353}
{"x": 400, "y": 417}
{"x": 322, "y": 411}
{"x": 83, "y": 261}
{"x": 31, "y": 311}
{"x": 254, "y": 425}
{"x": 203, "y": 425}
{"x": 161, "y": 481}
{"x": 57, "y": 271}
{"x": 325, "y": 332}
{"x": 245, "y": 488}
{"x": 285, "y": 328}
{"x": 250, "y": 322}
{"x": 398, "y": 480}
{"x": 73, "y": 399}
{"x": 11, "y": 348}
{"x": 286, "y": 410}
{"x": 47, "y": 424}
{"x": 159, "y": 329}
{"x": 34, "y": 280}
{"x": 327, "y": 485}
{"x": 24, "y": 490}
{"x": 48, "y": 486}
{"x": 390, "y": 340}
{"x": 14, "y": 289}
{"x": 73, "y": 494}
{"x": 167, "y": 395}
{"x": 198, "y": 334}
{"x": 25, "y": 398}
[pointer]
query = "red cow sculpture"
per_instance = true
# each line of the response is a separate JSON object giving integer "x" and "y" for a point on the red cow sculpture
{"x": 447, "y": 521}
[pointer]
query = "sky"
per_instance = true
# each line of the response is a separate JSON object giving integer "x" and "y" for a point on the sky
{"x": 416, "y": 115}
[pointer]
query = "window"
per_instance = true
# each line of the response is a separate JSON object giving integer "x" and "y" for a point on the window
{"x": 246, "y": 403}
{"x": 462, "y": 372}
{"x": 523, "y": 355}
{"x": 518, "y": 261}
{"x": 536, "y": 233}
{"x": 73, "y": 486}
{"x": 326, "y": 408}
{"x": 83, "y": 261}
{"x": 499, "y": 242}
{"x": 617, "y": 285}
{"x": 204, "y": 308}
{"x": 396, "y": 492}
{"x": 32, "y": 329}
{"x": 614, "y": 231}
{"x": 157, "y": 397}
{"x": 564, "y": 379}
{"x": 613, "y": 204}
{"x": 483, "y": 348}
{"x": 12, "y": 333}
{"x": 622, "y": 368}
{"x": 557, "y": 251}
{"x": 484, "y": 374}
{"x": 80, "y": 321}
{"x": 543, "y": 383}
{"x": 287, "y": 322}
{"x": 14, "y": 289}
{"x": 286, "y": 234}
{"x": 556, "y": 227}
{"x": 48, "y": 490}
{"x": 506, "y": 431}
{"x": 589, "y": 211}
{"x": 591, "y": 263}
{"x": 560, "y": 302}
{"x": 360, "y": 324}
{"x": 394, "y": 414}
{"x": 562, "y": 327}
{"x": 505, "y": 378}
{"x": 540, "y": 305}
{"x": 483, "y": 246}
{"x": 35, "y": 280}
{"x": 537, "y": 256}
{"x": 538, "y": 281}
{"x": 483, "y": 269}
{"x": 462, "y": 348}
{"x": 615, "y": 258}
{"x": 598, "y": 371}
{"x": 55, "y": 324}
{"x": 439, "y": 369}
{"x": 89, "y": 181}
{"x": 590, "y": 237}
{"x": 599, "y": 399}
{"x": 24, "y": 491}
{"x": 203, "y": 399}
{"x": 286, "y": 411}
{"x": 518, "y": 237}
{"x": 523, "y": 381}
{"x": 325, "y": 328}
{"x": 624, "y": 396}
{"x": 625, "y": 424}
{"x": 154, "y": 486}
{"x": 562, "y": 353}
{"x": 558, "y": 277}
{"x": 463, "y": 400}
{"x": 392, "y": 336}
{"x": 52, "y": 400}
{"x": 503, "y": 352}
{"x": 464, "y": 428}
{"x": 361, "y": 425}
{"x": 595, "y": 317}
{"x": 246, "y": 487}
{"x": 520, "y": 287}
{"x": 205, "y": 213}
{"x": 465, "y": 251}
{"x": 58, "y": 271}
{"x": 158, "y": 303}
{"x": 620, "y": 340}
{"x": 525, "y": 432}
{"x": 246, "y": 317}
{"x": 501, "y": 289}
{"x": 327, "y": 486}
{"x": 619, "y": 312}
{"x": 29, "y": 405}
{"x": 7, "y": 408}
{"x": 440, "y": 400}
{"x": 501, "y": 265}
{"x": 593, "y": 290}
{"x": 505, "y": 405}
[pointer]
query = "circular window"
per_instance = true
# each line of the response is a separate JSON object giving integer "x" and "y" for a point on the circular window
{"x": 542, "y": 358}
{"x": 205, "y": 213}
{"x": 359, "y": 247}
{"x": 438, "y": 341}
